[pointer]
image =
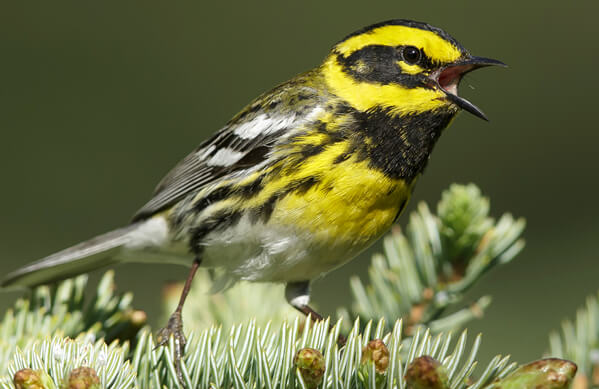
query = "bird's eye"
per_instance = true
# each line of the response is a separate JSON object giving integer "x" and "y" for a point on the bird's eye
{"x": 411, "y": 55}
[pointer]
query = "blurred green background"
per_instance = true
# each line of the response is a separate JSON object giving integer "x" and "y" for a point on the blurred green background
{"x": 99, "y": 99}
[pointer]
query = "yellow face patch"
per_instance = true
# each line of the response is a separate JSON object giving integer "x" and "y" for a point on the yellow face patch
{"x": 409, "y": 69}
{"x": 432, "y": 44}
{"x": 396, "y": 98}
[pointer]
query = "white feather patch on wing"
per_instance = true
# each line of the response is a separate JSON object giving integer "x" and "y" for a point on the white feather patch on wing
{"x": 263, "y": 124}
{"x": 225, "y": 157}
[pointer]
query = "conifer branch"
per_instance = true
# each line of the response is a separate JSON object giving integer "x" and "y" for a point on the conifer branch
{"x": 243, "y": 302}
{"x": 52, "y": 362}
{"x": 62, "y": 311}
{"x": 578, "y": 341}
{"x": 57, "y": 339}
{"x": 420, "y": 275}
{"x": 248, "y": 356}
{"x": 429, "y": 268}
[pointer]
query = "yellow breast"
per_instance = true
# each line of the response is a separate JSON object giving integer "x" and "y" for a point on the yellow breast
{"x": 349, "y": 205}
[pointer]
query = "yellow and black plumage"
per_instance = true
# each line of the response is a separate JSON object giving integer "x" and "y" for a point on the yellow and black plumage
{"x": 303, "y": 178}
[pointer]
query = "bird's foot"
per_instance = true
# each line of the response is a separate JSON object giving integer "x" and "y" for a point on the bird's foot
{"x": 316, "y": 317}
{"x": 174, "y": 328}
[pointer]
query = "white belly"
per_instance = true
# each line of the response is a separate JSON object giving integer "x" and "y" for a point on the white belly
{"x": 245, "y": 251}
{"x": 265, "y": 252}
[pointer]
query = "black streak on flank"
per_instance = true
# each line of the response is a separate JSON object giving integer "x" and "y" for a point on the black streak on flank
{"x": 321, "y": 126}
{"x": 212, "y": 197}
{"x": 302, "y": 186}
{"x": 251, "y": 189}
{"x": 245, "y": 191}
{"x": 343, "y": 109}
{"x": 342, "y": 158}
{"x": 311, "y": 150}
{"x": 220, "y": 221}
{"x": 264, "y": 211}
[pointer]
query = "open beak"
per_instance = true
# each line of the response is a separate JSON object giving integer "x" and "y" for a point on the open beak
{"x": 448, "y": 79}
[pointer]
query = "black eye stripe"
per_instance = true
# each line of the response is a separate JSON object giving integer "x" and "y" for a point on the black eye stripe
{"x": 378, "y": 63}
{"x": 386, "y": 52}
{"x": 381, "y": 64}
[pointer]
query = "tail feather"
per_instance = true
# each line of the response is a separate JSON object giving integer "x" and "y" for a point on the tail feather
{"x": 86, "y": 256}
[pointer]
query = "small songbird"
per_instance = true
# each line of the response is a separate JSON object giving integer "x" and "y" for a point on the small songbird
{"x": 302, "y": 179}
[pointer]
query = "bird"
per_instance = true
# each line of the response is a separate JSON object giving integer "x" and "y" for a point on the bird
{"x": 302, "y": 179}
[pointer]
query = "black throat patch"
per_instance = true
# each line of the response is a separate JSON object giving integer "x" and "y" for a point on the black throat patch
{"x": 399, "y": 146}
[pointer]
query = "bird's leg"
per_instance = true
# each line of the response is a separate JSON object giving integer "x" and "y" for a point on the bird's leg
{"x": 298, "y": 295}
{"x": 174, "y": 327}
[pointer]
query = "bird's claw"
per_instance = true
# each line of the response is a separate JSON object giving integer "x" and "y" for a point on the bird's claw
{"x": 174, "y": 328}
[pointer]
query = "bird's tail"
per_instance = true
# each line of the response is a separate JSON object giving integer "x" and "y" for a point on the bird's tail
{"x": 86, "y": 256}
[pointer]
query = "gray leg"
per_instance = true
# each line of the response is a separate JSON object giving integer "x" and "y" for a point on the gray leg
{"x": 174, "y": 327}
{"x": 298, "y": 295}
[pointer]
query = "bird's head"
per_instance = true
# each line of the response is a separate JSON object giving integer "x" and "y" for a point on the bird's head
{"x": 403, "y": 67}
